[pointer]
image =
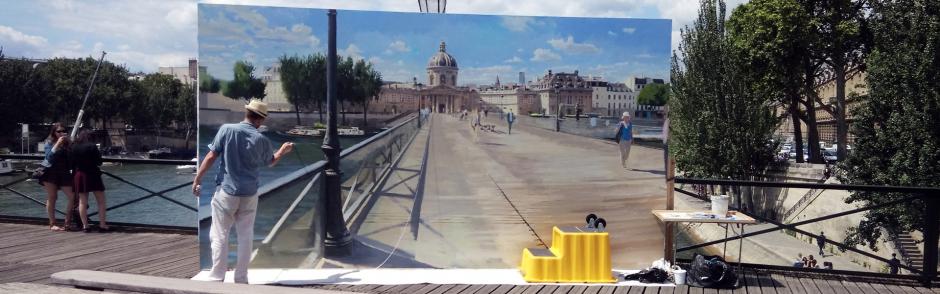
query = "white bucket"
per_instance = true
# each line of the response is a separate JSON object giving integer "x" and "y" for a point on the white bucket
{"x": 720, "y": 205}
{"x": 679, "y": 276}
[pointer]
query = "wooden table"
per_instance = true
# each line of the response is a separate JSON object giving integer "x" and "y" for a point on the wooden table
{"x": 692, "y": 216}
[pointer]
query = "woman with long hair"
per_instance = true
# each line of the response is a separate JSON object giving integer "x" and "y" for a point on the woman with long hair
{"x": 57, "y": 175}
{"x": 86, "y": 159}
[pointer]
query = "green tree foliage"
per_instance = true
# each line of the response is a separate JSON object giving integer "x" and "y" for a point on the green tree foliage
{"x": 208, "y": 83}
{"x": 653, "y": 94}
{"x": 294, "y": 81}
{"x": 21, "y": 89}
{"x": 898, "y": 124}
{"x": 841, "y": 26}
{"x": 772, "y": 37}
{"x": 244, "y": 85}
{"x": 154, "y": 106}
{"x": 720, "y": 128}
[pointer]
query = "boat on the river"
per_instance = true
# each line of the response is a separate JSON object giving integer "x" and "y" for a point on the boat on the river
{"x": 302, "y": 131}
{"x": 350, "y": 131}
{"x": 188, "y": 167}
{"x": 6, "y": 167}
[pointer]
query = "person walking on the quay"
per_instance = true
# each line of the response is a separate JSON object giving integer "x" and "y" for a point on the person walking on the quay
{"x": 510, "y": 118}
{"x": 57, "y": 175}
{"x": 821, "y": 242}
{"x": 625, "y": 138}
{"x": 242, "y": 151}
{"x": 86, "y": 159}
{"x": 894, "y": 264}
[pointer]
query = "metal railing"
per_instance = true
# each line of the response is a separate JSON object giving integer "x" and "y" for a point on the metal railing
{"x": 929, "y": 196}
{"x": 156, "y": 216}
{"x": 364, "y": 165}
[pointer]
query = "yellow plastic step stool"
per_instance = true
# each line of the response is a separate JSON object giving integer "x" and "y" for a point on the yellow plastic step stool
{"x": 577, "y": 255}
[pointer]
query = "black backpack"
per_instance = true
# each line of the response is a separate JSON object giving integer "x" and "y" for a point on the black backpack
{"x": 711, "y": 272}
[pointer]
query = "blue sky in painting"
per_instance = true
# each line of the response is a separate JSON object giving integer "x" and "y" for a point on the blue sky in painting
{"x": 399, "y": 44}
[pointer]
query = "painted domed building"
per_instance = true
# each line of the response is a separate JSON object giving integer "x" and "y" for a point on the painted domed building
{"x": 441, "y": 93}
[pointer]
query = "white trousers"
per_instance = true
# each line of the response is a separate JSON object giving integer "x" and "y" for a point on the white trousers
{"x": 226, "y": 211}
{"x": 625, "y": 151}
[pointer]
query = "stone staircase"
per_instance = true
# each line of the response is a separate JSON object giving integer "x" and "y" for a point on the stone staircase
{"x": 910, "y": 253}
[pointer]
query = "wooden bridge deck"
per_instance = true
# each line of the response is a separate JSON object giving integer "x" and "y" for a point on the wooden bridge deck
{"x": 31, "y": 253}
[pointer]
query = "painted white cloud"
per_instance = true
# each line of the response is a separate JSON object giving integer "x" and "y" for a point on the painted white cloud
{"x": 351, "y": 51}
{"x": 514, "y": 59}
{"x": 571, "y": 47}
{"x": 629, "y": 30}
{"x": 8, "y": 34}
{"x": 611, "y": 33}
{"x": 542, "y": 54}
{"x": 486, "y": 75}
{"x": 397, "y": 46}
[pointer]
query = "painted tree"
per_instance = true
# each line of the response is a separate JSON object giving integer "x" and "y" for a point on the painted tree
{"x": 294, "y": 81}
{"x": 244, "y": 85}
{"x": 653, "y": 94}
{"x": 897, "y": 125}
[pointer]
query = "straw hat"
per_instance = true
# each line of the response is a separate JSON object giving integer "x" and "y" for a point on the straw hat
{"x": 258, "y": 107}
{"x": 625, "y": 114}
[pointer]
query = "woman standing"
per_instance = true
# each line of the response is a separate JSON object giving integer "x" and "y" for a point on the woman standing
{"x": 86, "y": 160}
{"x": 57, "y": 175}
{"x": 625, "y": 137}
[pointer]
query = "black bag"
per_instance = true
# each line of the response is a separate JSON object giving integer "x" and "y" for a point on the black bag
{"x": 650, "y": 276}
{"x": 38, "y": 173}
{"x": 711, "y": 272}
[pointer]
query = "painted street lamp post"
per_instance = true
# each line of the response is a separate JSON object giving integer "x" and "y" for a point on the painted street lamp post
{"x": 337, "y": 241}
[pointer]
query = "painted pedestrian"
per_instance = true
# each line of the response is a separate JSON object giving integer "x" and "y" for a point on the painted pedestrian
{"x": 625, "y": 137}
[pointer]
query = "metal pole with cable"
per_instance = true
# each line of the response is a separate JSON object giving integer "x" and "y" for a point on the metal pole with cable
{"x": 91, "y": 85}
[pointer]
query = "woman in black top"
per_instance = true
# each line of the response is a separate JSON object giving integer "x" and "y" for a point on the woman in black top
{"x": 86, "y": 160}
{"x": 57, "y": 175}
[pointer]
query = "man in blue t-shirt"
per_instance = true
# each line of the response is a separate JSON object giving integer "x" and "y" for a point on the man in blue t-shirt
{"x": 241, "y": 151}
{"x": 625, "y": 137}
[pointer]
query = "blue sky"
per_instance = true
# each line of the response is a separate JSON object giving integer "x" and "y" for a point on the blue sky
{"x": 400, "y": 44}
{"x": 147, "y": 34}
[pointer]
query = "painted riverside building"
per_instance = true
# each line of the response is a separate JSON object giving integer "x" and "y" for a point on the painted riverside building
{"x": 440, "y": 93}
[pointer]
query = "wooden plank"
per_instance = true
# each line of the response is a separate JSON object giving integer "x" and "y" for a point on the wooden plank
{"x": 780, "y": 284}
{"x": 578, "y": 289}
{"x": 767, "y": 285}
{"x": 502, "y": 289}
{"x": 622, "y": 290}
{"x": 880, "y": 288}
{"x": 866, "y": 288}
{"x": 696, "y": 290}
{"x": 796, "y": 286}
{"x": 901, "y": 289}
{"x": 397, "y": 289}
{"x": 41, "y": 289}
{"x": 837, "y": 287}
{"x": 456, "y": 289}
{"x": 472, "y": 289}
{"x": 750, "y": 283}
{"x": 810, "y": 286}
{"x": 522, "y": 289}
{"x": 681, "y": 289}
{"x": 486, "y": 289}
{"x": 427, "y": 288}
{"x": 548, "y": 289}
{"x": 563, "y": 289}
{"x": 606, "y": 290}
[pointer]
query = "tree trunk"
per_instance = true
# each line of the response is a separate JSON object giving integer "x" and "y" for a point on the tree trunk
{"x": 841, "y": 125}
{"x": 297, "y": 112}
{"x": 365, "y": 115}
{"x": 812, "y": 131}
{"x": 797, "y": 133}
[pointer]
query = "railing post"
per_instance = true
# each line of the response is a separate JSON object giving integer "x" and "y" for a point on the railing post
{"x": 338, "y": 241}
{"x": 931, "y": 229}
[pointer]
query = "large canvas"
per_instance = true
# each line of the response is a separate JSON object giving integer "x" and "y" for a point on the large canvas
{"x": 460, "y": 188}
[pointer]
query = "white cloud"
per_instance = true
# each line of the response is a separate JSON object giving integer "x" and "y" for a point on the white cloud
{"x": 8, "y": 34}
{"x": 629, "y": 30}
{"x": 611, "y": 33}
{"x": 569, "y": 46}
{"x": 182, "y": 17}
{"x": 517, "y": 23}
{"x": 542, "y": 54}
{"x": 351, "y": 51}
{"x": 397, "y": 46}
{"x": 514, "y": 59}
